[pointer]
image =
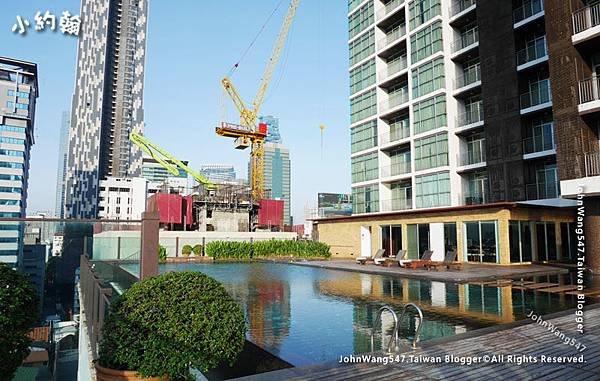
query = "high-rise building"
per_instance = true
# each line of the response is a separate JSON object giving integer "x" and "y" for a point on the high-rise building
{"x": 63, "y": 154}
{"x": 123, "y": 198}
{"x": 18, "y": 95}
{"x": 218, "y": 173}
{"x": 108, "y": 100}
{"x": 273, "y": 135}
{"x": 277, "y": 177}
{"x": 153, "y": 171}
{"x": 457, "y": 105}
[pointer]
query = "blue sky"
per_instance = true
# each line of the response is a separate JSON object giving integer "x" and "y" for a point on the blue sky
{"x": 191, "y": 46}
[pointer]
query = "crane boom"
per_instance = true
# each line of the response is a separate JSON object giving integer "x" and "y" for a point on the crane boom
{"x": 166, "y": 160}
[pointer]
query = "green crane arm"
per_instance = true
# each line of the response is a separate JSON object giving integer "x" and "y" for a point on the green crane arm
{"x": 166, "y": 160}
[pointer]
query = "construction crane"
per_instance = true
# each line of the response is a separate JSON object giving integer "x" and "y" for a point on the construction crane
{"x": 166, "y": 160}
{"x": 247, "y": 133}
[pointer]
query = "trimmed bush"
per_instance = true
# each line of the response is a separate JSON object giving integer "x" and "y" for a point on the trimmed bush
{"x": 166, "y": 324}
{"x": 197, "y": 250}
{"x": 18, "y": 313}
{"x": 267, "y": 249}
{"x": 162, "y": 254}
{"x": 186, "y": 250}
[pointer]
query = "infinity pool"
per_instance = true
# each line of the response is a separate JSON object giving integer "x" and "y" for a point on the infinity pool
{"x": 306, "y": 315}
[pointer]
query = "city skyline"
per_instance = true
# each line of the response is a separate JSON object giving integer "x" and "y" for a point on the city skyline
{"x": 291, "y": 96}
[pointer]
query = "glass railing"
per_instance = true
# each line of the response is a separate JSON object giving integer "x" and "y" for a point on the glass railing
{"x": 541, "y": 191}
{"x": 468, "y": 77}
{"x": 539, "y": 143}
{"x": 364, "y": 175}
{"x": 394, "y": 135}
{"x": 466, "y": 39}
{"x": 475, "y": 154}
{"x": 528, "y": 9}
{"x": 538, "y": 96}
{"x": 394, "y": 67}
{"x": 476, "y": 198}
{"x": 395, "y": 169}
{"x": 396, "y": 204}
{"x": 586, "y": 18}
{"x": 395, "y": 99}
{"x": 536, "y": 49}
{"x": 589, "y": 89}
{"x": 388, "y": 8}
{"x": 460, "y": 5}
{"x": 471, "y": 116}
{"x": 392, "y": 36}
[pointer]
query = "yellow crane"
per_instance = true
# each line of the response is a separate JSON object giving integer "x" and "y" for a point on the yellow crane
{"x": 247, "y": 133}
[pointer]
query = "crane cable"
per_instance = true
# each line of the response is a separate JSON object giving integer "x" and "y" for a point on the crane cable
{"x": 262, "y": 28}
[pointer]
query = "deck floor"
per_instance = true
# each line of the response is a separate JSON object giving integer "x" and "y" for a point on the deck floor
{"x": 524, "y": 340}
{"x": 469, "y": 272}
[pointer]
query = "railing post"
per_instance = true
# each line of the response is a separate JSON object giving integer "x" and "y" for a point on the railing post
{"x": 149, "y": 254}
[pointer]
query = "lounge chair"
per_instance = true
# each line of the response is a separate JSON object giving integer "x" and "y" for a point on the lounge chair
{"x": 391, "y": 260}
{"x": 424, "y": 260}
{"x": 448, "y": 262}
{"x": 364, "y": 260}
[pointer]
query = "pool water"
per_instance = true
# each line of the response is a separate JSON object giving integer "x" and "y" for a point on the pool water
{"x": 306, "y": 315}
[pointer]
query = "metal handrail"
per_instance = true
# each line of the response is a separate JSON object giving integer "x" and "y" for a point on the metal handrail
{"x": 394, "y": 333}
{"x": 418, "y": 329}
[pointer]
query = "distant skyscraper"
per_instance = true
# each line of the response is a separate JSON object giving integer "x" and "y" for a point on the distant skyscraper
{"x": 273, "y": 135}
{"x": 63, "y": 153}
{"x": 277, "y": 178}
{"x": 153, "y": 171}
{"x": 108, "y": 101}
{"x": 218, "y": 173}
{"x": 18, "y": 94}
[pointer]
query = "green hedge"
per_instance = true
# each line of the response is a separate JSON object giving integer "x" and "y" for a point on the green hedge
{"x": 266, "y": 249}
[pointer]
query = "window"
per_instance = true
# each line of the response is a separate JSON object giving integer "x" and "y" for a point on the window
{"x": 10, "y": 215}
{"x": 450, "y": 237}
{"x": 423, "y": 10}
{"x": 546, "y": 241}
{"x": 431, "y": 152}
{"x": 6, "y": 164}
{"x": 426, "y": 42}
{"x": 9, "y": 239}
{"x": 208, "y": 213}
{"x": 391, "y": 239}
{"x": 10, "y": 202}
{"x": 20, "y": 94}
{"x": 429, "y": 114}
{"x": 19, "y": 106}
{"x": 9, "y": 152}
{"x": 353, "y": 4}
{"x": 418, "y": 240}
{"x": 363, "y": 106}
{"x": 10, "y": 190}
{"x": 118, "y": 200}
{"x": 5, "y": 139}
{"x": 362, "y": 47}
{"x": 364, "y": 167}
{"x": 361, "y": 19}
{"x": 363, "y": 136}
{"x": 118, "y": 211}
{"x": 433, "y": 190}
{"x": 362, "y": 76}
{"x": 399, "y": 128}
{"x": 11, "y": 177}
{"x": 568, "y": 240}
{"x": 519, "y": 235}
{"x": 428, "y": 77}
{"x": 12, "y": 128}
{"x": 480, "y": 241}
{"x": 9, "y": 227}
{"x": 365, "y": 199}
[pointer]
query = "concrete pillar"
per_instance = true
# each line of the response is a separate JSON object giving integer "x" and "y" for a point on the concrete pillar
{"x": 592, "y": 236}
{"x": 503, "y": 245}
{"x": 149, "y": 255}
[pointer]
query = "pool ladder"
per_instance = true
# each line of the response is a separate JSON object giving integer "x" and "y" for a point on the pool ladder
{"x": 394, "y": 339}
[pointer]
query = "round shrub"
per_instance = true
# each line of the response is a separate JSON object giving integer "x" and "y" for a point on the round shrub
{"x": 186, "y": 250}
{"x": 18, "y": 313}
{"x": 166, "y": 324}
{"x": 197, "y": 250}
{"x": 162, "y": 254}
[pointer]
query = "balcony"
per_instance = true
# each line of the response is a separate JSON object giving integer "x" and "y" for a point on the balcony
{"x": 388, "y": 9}
{"x": 476, "y": 198}
{"x": 586, "y": 23}
{"x": 396, "y": 204}
{"x": 474, "y": 155}
{"x": 396, "y": 169}
{"x": 589, "y": 95}
{"x": 394, "y": 135}
{"x": 468, "y": 80}
{"x": 537, "y": 99}
{"x": 539, "y": 145}
{"x": 395, "y": 99}
{"x": 592, "y": 164}
{"x": 578, "y": 184}
{"x": 533, "y": 54}
{"x": 471, "y": 118}
{"x": 467, "y": 41}
{"x": 529, "y": 11}
{"x": 542, "y": 191}
{"x": 459, "y": 6}
{"x": 392, "y": 36}
{"x": 393, "y": 67}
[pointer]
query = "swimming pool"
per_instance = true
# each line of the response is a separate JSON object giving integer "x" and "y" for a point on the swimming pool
{"x": 307, "y": 315}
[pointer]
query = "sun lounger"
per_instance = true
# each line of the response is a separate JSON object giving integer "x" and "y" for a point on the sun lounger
{"x": 391, "y": 260}
{"x": 424, "y": 260}
{"x": 364, "y": 260}
{"x": 448, "y": 262}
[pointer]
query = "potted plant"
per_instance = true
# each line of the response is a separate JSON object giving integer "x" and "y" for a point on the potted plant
{"x": 186, "y": 250}
{"x": 197, "y": 250}
{"x": 164, "y": 325}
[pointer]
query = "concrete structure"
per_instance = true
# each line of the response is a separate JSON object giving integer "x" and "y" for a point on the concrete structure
{"x": 123, "y": 198}
{"x": 218, "y": 173}
{"x": 61, "y": 171}
{"x": 273, "y": 134}
{"x": 108, "y": 100}
{"x": 57, "y": 244}
{"x": 18, "y": 96}
{"x": 155, "y": 172}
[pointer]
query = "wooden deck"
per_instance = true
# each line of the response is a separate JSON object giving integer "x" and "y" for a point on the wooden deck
{"x": 520, "y": 340}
